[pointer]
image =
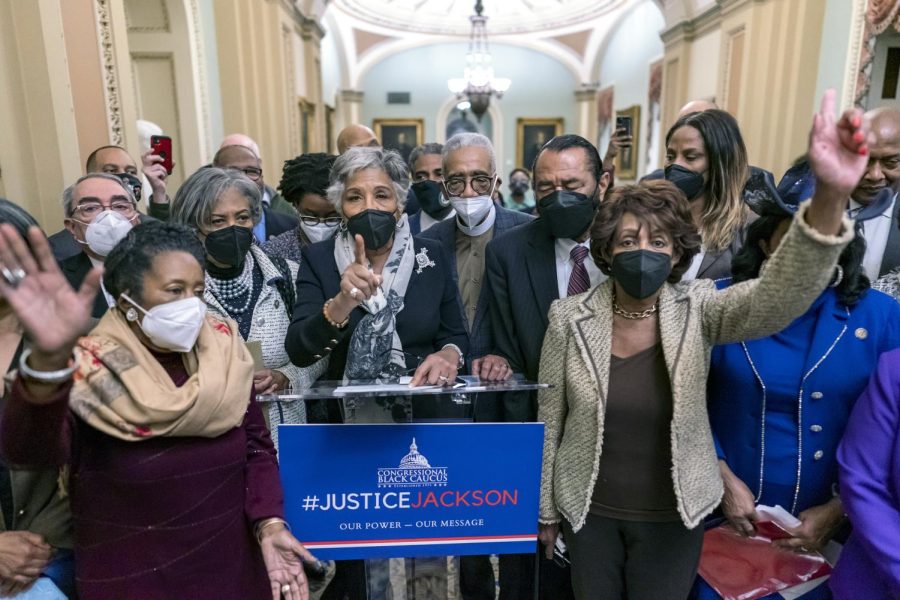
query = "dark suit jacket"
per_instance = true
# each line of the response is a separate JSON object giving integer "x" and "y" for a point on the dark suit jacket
{"x": 415, "y": 223}
{"x": 718, "y": 266}
{"x": 430, "y": 319}
{"x": 481, "y": 338}
{"x": 891, "y": 258}
{"x": 521, "y": 273}
{"x": 277, "y": 222}
{"x": 75, "y": 269}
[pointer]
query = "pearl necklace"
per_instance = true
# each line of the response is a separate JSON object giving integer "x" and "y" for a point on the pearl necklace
{"x": 239, "y": 289}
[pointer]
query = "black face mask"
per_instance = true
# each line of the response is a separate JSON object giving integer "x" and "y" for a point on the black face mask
{"x": 689, "y": 182}
{"x": 567, "y": 214}
{"x": 375, "y": 226}
{"x": 133, "y": 182}
{"x": 430, "y": 198}
{"x": 229, "y": 246}
{"x": 518, "y": 188}
{"x": 641, "y": 272}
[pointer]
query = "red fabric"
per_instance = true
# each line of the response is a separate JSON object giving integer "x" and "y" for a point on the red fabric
{"x": 740, "y": 568}
{"x": 161, "y": 518}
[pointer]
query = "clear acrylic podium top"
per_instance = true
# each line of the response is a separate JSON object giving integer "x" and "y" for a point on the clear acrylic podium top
{"x": 464, "y": 386}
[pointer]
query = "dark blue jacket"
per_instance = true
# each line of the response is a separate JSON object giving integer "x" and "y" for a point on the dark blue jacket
{"x": 430, "y": 317}
{"x": 481, "y": 338}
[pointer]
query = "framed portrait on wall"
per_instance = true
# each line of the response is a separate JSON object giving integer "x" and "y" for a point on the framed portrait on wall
{"x": 531, "y": 134}
{"x": 627, "y": 160}
{"x": 401, "y": 135}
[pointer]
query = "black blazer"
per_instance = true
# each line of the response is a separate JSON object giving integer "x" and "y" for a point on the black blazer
{"x": 75, "y": 269}
{"x": 521, "y": 272}
{"x": 277, "y": 223}
{"x": 430, "y": 318}
{"x": 481, "y": 339}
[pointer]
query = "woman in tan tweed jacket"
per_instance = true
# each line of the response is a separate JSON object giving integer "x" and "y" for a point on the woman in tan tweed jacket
{"x": 628, "y": 362}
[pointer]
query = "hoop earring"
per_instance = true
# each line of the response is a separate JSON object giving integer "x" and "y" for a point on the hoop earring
{"x": 131, "y": 315}
{"x": 838, "y": 276}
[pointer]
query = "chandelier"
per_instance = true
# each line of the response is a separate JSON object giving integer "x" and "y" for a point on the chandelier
{"x": 478, "y": 83}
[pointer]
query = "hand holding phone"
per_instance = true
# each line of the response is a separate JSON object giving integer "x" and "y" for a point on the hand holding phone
{"x": 161, "y": 145}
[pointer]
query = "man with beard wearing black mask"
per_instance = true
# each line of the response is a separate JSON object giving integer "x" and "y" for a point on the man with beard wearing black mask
{"x": 425, "y": 167}
{"x": 527, "y": 269}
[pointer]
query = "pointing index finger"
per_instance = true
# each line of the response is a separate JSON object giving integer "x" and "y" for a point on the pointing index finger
{"x": 361, "y": 251}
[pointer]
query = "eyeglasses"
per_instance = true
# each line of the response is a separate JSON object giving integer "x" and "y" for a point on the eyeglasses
{"x": 252, "y": 172}
{"x": 312, "y": 221}
{"x": 89, "y": 210}
{"x": 481, "y": 184}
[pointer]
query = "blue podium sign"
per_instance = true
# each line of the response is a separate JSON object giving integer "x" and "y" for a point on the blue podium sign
{"x": 407, "y": 490}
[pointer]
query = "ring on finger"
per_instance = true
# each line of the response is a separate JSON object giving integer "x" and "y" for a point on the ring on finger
{"x": 286, "y": 588}
{"x": 354, "y": 293}
{"x": 443, "y": 378}
{"x": 13, "y": 277}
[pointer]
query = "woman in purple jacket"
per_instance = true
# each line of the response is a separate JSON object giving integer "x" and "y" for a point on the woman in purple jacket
{"x": 170, "y": 471}
{"x": 869, "y": 457}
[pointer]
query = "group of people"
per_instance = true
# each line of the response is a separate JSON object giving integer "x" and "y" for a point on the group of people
{"x": 712, "y": 341}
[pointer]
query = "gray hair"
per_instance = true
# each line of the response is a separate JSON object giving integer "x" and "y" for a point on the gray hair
{"x": 198, "y": 195}
{"x": 360, "y": 158}
{"x": 421, "y": 150}
{"x": 68, "y": 196}
{"x": 468, "y": 140}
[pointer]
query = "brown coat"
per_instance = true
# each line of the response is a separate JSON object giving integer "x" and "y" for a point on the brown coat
{"x": 693, "y": 317}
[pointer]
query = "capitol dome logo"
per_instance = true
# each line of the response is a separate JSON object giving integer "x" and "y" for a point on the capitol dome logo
{"x": 414, "y": 471}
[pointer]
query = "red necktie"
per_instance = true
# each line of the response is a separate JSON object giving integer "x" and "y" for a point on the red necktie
{"x": 578, "y": 281}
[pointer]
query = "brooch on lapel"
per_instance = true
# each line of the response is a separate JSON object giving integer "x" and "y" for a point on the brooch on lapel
{"x": 422, "y": 260}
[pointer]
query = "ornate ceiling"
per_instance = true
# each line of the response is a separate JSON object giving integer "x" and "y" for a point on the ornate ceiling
{"x": 451, "y": 17}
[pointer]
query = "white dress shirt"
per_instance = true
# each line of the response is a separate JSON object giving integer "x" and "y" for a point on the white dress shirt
{"x": 565, "y": 264}
{"x": 691, "y": 273}
{"x": 426, "y": 220}
{"x": 110, "y": 301}
{"x": 875, "y": 231}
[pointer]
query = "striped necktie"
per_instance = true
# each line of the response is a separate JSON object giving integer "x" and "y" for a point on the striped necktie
{"x": 578, "y": 281}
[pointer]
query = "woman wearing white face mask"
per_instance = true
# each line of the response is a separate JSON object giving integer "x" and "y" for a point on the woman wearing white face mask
{"x": 304, "y": 182}
{"x": 171, "y": 473}
{"x": 242, "y": 282}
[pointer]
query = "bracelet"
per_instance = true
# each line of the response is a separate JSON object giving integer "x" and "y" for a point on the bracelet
{"x": 266, "y": 523}
{"x": 462, "y": 359}
{"x": 60, "y": 376}
{"x": 328, "y": 318}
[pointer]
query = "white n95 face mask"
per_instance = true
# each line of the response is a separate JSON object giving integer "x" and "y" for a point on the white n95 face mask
{"x": 105, "y": 231}
{"x": 319, "y": 232}
{"x": 472, "y": 211}
{"x": 175, "y": 325}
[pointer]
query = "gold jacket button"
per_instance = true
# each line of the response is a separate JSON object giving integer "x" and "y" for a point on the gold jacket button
{"x": 818, "y": 455}
{"x": 815, "y": 428}
{"x": 334, "y": 342}
{"x": 861, "y": 333}
{"x": 816, "y": 395}
{"x": 317, "y": 356}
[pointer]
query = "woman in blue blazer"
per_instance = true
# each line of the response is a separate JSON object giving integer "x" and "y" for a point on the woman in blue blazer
{"x": 778, "y": 406}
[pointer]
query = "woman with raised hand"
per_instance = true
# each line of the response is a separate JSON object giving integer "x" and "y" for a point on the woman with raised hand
{"x": 629, "y": 464}
{"x": 778, "y": 405}
{"x": 172, "y": 475}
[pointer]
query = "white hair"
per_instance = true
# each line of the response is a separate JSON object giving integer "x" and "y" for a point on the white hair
{"x": 360, "y": 158}
{"x": 468, "y": 140}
